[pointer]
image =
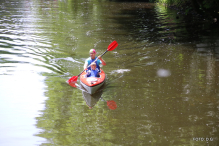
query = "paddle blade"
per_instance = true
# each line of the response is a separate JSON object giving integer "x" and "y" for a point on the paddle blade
{"x": 72, "y": 81}
{"x": 112, "y": 46}
{"x": 111, "y": 104}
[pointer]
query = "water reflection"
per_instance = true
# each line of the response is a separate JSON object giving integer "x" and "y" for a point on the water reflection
{"x": 91, "y": 100}
{"x": 155, "y": 23}
{"x": 163, "y": 76}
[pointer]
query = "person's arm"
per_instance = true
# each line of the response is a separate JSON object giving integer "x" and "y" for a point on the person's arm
{"x": 103, "y": 62}
{"x": 85, "y": 64}
{"x": 98, "y": 73}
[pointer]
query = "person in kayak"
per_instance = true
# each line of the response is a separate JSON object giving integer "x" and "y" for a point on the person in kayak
{"x": 92, "y": 58}
{"x": 94, "y": 72}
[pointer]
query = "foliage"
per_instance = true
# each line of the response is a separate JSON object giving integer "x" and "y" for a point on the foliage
{"x": 203, "y": 7}
{"x": 169, "y": 2}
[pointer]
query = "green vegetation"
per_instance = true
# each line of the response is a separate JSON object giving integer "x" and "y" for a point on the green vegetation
{"x": 203, "y": 7}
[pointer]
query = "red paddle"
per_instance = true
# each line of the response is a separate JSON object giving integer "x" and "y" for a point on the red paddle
{"x": 74, "y": 79}
{"x": 111, "y": 104}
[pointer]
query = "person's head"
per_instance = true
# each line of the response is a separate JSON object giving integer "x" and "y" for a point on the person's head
{"x": 92, "y": 53}
{"x": 93, "y": 66}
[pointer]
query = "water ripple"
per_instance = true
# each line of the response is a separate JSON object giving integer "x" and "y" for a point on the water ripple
{"x": 22, "y": 41}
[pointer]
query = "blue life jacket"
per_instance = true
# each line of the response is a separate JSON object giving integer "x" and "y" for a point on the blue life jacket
{"x": 93, "y": 73}
{"x": 98, "y": 62}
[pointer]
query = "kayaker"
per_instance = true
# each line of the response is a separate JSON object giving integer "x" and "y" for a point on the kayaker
{"x": 92, "y": 58}
{"x": 94, "y": 72}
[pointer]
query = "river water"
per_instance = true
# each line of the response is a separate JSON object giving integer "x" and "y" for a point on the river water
{"x": 163, "y": 76}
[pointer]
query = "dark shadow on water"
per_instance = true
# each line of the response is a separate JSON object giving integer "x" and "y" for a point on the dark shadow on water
{"x": 153, "y": 23}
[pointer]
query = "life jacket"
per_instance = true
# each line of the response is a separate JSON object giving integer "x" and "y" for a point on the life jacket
{"x": 89, "y": 61}
{"x": 93, "y": 73}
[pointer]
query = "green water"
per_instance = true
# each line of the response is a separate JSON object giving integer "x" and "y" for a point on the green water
{"x": 163, "y": 76}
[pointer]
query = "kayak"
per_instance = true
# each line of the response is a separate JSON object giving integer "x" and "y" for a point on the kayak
{"x": 92, "y": 84}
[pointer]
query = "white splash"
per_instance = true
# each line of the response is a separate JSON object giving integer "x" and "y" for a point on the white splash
{"x": 120, "y": 71}
{"x": 68, "y": 59}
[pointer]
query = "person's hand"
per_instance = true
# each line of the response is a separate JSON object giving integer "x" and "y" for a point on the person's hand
{"x": 99, "y": 57}
{"x": 103, "y": 62}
